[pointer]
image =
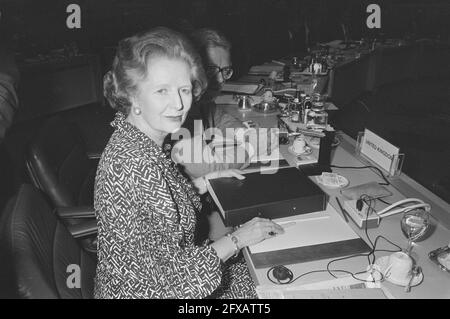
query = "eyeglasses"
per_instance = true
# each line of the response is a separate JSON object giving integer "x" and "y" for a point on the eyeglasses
{"x": 213, "y": 70}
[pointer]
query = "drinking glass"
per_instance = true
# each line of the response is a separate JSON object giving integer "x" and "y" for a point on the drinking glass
{"x": 414, "y": 225}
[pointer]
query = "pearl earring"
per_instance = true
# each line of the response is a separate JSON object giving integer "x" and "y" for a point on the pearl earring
{"x": 137, "y": 111}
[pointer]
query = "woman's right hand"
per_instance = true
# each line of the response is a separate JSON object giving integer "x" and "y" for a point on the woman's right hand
{"x": 256, "y": 230}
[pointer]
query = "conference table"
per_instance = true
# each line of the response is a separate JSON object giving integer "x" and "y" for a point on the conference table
{"x": 436, "y": 282}
{"x": 360, "y": 68}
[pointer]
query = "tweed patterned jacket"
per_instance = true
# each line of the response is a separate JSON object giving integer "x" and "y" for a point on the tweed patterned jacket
{"x": 146, "y": 213}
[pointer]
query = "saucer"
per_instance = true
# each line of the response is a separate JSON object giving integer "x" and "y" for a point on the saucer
{"x": 343, "y": 182}
{"x": 307, "y": 151}
{"x": 381, "y": 264}
{"x": 313, "y": 142}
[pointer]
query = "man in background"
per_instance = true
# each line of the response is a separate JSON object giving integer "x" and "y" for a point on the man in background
{"x": 215, "y": 51}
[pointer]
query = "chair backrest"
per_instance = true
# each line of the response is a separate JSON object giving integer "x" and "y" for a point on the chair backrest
{"x": 39, "y": 257}
{"x": 58, "y": 164}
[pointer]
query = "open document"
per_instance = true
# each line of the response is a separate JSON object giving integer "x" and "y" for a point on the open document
{"x": 265, "y": 69}
{"x": 340, "y": 288}
{"x": 241, "y": 88}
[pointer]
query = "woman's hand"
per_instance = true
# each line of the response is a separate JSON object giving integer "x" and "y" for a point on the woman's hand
{"x": 226, "y": 173}
{"x": 256, "y": 230}
{"x": 261, "y": 141}
{"x": 252, "y": 232}
{"x": 200, "y": 182}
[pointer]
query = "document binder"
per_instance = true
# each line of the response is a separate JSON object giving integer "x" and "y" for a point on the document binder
{"x": 314, "y": 236}
{"x": 285, "y": 193}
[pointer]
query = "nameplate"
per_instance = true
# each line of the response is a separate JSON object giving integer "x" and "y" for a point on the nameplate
{"x": 380, "y": 151}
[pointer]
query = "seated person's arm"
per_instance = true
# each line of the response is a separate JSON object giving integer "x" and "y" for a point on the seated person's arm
{"x": 199, "y": 159}
{"x": 141, "y": 244}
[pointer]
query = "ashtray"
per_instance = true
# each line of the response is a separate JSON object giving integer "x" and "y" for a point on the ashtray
{"x": 441, "y": 257}
{"x": 266, "y": 107}
{"x": 306, "y": 151}
{"x": 332, "y": 180}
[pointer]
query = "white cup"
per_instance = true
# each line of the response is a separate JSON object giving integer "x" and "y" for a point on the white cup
{"x": 299, "y": 145}
{"x": 399, "y": 267}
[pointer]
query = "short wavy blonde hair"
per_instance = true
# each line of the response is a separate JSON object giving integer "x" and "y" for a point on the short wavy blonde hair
{"x": 132, "y": 57}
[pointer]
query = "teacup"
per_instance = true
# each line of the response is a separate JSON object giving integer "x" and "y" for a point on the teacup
{"x": 299, "y": 145}
{"x": 399, "y": 267}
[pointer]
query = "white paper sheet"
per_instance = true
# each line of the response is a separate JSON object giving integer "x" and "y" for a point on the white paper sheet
{"x": 265, "y": 68}
{"x": 240, "y": 88}
{"x": 230, "y": 99}
{"x": 275, "y": 155}
{"x": 226, "y": 99}
{"x": 295, "y": 293}
{"x": 309, "y": 229}
{"x": 340, "y": 288}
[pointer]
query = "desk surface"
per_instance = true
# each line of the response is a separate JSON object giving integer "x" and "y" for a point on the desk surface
{"x": 436, "y": 283}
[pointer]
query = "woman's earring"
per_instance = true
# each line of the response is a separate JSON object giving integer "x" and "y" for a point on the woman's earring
{"x": 137, "y": 111}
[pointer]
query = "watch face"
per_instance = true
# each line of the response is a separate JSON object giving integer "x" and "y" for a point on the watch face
{"x": 441, "y": 257}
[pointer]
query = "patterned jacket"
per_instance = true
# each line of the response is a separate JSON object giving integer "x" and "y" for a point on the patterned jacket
{"x": 146, "y": 212}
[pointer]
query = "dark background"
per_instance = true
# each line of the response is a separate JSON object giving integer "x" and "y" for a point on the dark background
{"x": 258, "y": 29}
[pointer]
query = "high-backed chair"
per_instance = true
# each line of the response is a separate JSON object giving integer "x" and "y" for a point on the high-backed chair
{"x": 58, "y": 164}
{"x": 40, "y": 257}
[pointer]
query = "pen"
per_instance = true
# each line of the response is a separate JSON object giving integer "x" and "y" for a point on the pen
{"x": 278, "y": 62}
{"x": 223, "y": 146}
{"x": 309, "y": 132}
{"x": 227, "y": 144}
{"x": 344, "y": 212}
{"x": 287, "y": 225}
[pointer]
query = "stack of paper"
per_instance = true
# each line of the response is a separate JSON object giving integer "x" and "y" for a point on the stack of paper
{"x": 231, "y": 99}
{"x": 308, "y": 230}
{"x": 242, "y": 88}
{"x": 306, "y": 159}
{"x": 265, "y": 69}
{"x": 340, "y": 288}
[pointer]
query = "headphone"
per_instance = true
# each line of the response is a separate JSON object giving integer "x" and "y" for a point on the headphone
{"x": 415, "y": 204}
{"x": 281, "y": 273}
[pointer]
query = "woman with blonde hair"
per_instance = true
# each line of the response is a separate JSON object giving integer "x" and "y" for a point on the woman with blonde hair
{"x": 146, "y": 209}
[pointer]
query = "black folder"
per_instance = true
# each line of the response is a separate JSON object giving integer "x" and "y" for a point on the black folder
{"x": 310, "y": 253}
{"x": 284, "y": 193}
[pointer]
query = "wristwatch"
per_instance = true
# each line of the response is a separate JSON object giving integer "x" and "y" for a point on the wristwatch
{"x": 235, "y": 241}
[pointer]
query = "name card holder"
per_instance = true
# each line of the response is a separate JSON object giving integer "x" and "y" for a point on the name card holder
{"x": 396, "y": 165}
